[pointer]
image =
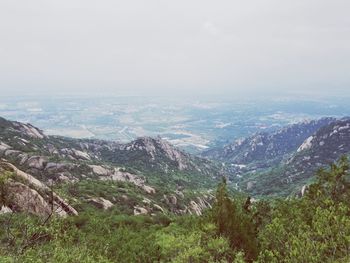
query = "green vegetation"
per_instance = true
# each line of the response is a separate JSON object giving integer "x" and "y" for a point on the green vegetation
{"x": 314, "y": 228}
{"x": 4, "y": 192}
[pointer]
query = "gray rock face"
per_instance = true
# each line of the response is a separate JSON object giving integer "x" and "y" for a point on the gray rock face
{"x": 325, "y": 146}
{"x": 32, "y": 196}
{"x": 138, "y": 210}
{"x": 3, "y": 148}
{"x": 100, "y": 203}
{"x": 265, "y": 147}
{"x": 36, "y": 162}
{"x": 114, "y": 174}
{"x": 5, "y": 210}
{"x": 199, "y": 205}
{"x": 158, "y": 207}
{"x": 154, "y": 147}
{"x": 25, "y": 199}
{"x": 81, "y": 155}
{"x": 12, "y": 153}
{"x": 99, "y": 170}
{"x": 29, "y": 130}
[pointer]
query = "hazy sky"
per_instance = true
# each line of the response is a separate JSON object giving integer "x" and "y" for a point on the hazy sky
{"x": 148, "y": 47}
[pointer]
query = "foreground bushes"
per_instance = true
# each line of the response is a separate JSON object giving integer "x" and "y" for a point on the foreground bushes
{"x": 315, "y": 228}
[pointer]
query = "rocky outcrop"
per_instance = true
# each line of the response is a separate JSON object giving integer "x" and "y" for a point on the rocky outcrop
{"x": 37, "y": 162}
{"x": 100, "y": 203}
{"x": 29, "y": 130}
{"x": 160, "y": 150}
{"x": 138, "y": 210}
{"x": 115, "y": 174}
{"x": 5, "y": 210}
{"x": 3, "y": 148}
{"x": 198, "y": 205}
{"x": 28, "y": 200}
{"x": 40, "y": 160}
{"x": 99, "y": 170}
{"x": 31, "y": 195}
{"x": 268, "y": 147}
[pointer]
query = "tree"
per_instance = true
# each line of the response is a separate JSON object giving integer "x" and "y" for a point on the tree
{"x": 235, "y": 223}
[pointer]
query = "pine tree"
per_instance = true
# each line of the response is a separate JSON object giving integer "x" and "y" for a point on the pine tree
{"x": 234, "y": 223}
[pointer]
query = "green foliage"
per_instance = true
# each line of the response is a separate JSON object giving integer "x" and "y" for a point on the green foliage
{"x": 235, "y": 223}
{"x": 193, "y": 240}
{"x": 4, "y": 193}
{"x": 314, "y": 228}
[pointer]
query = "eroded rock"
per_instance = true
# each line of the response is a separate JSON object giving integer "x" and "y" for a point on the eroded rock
{"x": 100, "y": 203}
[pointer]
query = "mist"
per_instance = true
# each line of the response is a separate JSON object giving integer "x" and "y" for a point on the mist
{"x": 174, "y": 47}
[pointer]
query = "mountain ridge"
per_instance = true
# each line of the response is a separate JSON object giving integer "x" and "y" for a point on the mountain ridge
{"x": 155, "y": 174}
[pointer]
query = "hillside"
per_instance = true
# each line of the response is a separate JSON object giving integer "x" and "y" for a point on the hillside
{"x": 320, "y": 149}
{"x": 147, "y": 175}
{"x": 262, "y": 150}
{"x": 68, "y": 200}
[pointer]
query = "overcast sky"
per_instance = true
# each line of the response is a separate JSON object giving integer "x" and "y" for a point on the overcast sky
{"x": 172, "y": 47}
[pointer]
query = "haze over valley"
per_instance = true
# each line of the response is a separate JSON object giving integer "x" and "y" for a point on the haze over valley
{"x": 193, "y": 124}
{"x": 174, "y": 131}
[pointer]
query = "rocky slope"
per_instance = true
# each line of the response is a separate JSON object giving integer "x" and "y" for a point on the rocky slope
{"x": 140, "y": 176}
{"x": 320, "y": 149}
{"x": 263, "y": 150}
{"x": 24, "y": 193}
{"x": 267, "y": 146}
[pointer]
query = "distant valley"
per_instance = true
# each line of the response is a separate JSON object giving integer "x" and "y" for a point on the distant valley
{"x": 194, "y": 125}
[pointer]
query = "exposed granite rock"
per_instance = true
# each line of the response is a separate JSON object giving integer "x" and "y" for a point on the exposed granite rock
{"x": 265, "y": 149}
{"x": 138, "y": 210}
{"x": 25, "y": 199}
{"x": 37, "y": 162}
{"x": 99, "y": 170}
{"x": 3, "y": 148}
{"x": 81, "y": 155}
{"x": 198, "y": 205}
{"x": 117, "y": 175}
{"x": 5, "y": 210}
{"x": 100, "y": 203}
{"x": 33, "y": 187}
{"x": 12, "y": 153}
{"x": 29, "y": 130}
{"x": 158, "y": 207}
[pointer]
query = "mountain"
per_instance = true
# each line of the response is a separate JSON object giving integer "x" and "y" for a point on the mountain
{"x": 265, "y": 149}
{"x": 147, "y": 175}
{"x": 320, "y": 149}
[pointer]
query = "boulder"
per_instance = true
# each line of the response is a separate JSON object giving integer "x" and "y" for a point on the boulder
{"x": 40, "y": 192}
{"x": 148, "y": 189}
{"x": 3, "y": 148}
{"x": 37, "y": 162}
{"x": 138, "y": 210}
{"x": 159, "y": 208}
{"x": 81, "y": 155}
{"x": 5, "y": 210}
{"x": 25, "y": 199}
{"x": 194, "y": 208}
{"x": 100, "y": 203}
{"x": 12, "y": 153}
{"x": 99, "y": 170}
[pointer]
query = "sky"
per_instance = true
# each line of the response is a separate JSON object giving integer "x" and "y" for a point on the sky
{"x": 138, "y": 47}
